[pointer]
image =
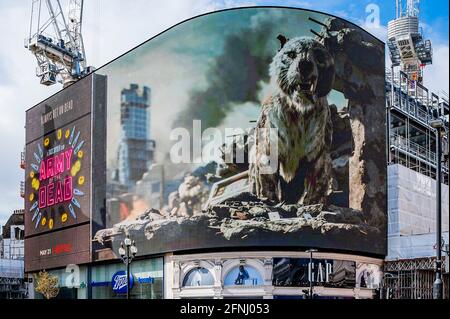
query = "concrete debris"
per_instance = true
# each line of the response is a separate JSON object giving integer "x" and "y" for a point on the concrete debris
{"x": 189, "y": 198}
{"x": 150, "y": 215}
{"x": 234, "y": 219}
{"x": 312, "y": 210}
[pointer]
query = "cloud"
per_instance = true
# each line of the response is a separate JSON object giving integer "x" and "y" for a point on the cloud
{"x": 108, "y": 34}
{"x": 4, "y": 73}
{"x": 436, "y": 76}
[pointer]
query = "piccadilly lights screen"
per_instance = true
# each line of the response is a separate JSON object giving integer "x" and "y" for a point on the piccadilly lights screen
{"x": 56, "y": 178}
{"x": 273, "y": 138}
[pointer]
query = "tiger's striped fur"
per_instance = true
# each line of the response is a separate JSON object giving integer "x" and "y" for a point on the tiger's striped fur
{"x": 299, "y": 110}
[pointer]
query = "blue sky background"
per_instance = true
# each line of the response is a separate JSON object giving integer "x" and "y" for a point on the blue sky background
{"x": 112, "y": 27}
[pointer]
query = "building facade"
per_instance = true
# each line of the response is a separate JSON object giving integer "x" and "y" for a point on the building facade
{"x": 13, "y": 284}
{"x": 271, "y": 275}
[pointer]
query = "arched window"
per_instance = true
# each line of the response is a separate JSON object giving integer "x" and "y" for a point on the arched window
{"x": 365, "y": 280}
{"x": 243, "y": 275}
{"x": 198, "y": 277}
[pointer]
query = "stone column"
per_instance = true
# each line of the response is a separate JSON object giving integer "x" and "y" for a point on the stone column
{"x": 218, "y": 279}
{"x": 176, "y": 280}
{"x": 359, "y": 60}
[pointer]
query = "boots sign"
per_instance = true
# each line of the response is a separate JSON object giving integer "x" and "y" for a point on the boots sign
{"x": 119, "y": 282}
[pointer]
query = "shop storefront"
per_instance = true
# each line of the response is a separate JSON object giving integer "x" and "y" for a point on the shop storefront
{"x": 72, "y": 283}
{"x": 108, "y": 281}
{"x": 272, "y": 275}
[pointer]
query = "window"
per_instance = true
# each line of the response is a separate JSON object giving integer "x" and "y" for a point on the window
{"x": 243, "y": 275}
{"x": 198, "y": 277}
{"x": 18, "y": 233}
{"x": 147, "y": 275}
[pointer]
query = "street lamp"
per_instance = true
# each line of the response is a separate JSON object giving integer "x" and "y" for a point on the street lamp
{"x": 310, "y": 272}
{"x": 438, "y": 124}
{"x": 127, "y": 252}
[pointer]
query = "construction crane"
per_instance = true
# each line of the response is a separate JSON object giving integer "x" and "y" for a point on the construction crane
{"x": 406, "y": 45}
{"x": 56, "y": 41}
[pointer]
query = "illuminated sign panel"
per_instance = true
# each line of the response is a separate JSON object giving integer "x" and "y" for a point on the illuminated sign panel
{"x": 58, "y": 174}
{"x": 58, "y": 248}
{"x": 58, "y": 177}
{"x": 245, "y": 128}
{"x": 298, "y": 272}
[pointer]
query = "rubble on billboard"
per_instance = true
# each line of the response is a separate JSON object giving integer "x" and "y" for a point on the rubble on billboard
{"x": 239, "y": 217}
{"x": 188, "y": 200}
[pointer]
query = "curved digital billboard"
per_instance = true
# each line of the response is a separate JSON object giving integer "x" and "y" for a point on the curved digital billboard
{"x": 244, "y": 128}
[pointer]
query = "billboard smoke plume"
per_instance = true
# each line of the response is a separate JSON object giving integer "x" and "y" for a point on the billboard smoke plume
{"x": 235, "y": 76}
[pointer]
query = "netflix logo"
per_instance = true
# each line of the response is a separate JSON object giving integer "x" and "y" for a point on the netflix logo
{"x": 56, "y": 250}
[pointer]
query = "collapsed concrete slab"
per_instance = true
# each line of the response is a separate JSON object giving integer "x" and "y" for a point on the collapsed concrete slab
{"x": 245, "y": 222}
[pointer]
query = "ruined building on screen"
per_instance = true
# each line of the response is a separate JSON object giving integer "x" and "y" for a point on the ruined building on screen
{"x": 136, "y": 149}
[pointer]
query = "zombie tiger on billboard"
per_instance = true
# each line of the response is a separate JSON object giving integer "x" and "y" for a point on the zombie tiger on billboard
{"x": 245, "y": 128}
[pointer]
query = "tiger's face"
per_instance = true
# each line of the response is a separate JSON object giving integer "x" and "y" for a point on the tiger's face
{"x": 303, "y": 69}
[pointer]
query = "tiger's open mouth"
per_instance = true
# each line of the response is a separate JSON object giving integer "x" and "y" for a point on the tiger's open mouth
{"x": 305, "y": 87}
{"x": 305, "y": 92}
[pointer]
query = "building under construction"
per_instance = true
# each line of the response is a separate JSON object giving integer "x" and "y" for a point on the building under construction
{"x": 409, "y": 267}
{"x": 413, "y": 161}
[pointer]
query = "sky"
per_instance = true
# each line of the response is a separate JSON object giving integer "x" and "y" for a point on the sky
{"x": 112, "y": 27}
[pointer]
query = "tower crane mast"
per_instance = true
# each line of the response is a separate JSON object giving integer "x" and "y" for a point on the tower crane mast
{"x": 55, "y": 39}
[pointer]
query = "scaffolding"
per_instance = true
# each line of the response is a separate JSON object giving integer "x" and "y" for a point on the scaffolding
{"x": 412, "y": 141}
{"x": 411, "y": 279}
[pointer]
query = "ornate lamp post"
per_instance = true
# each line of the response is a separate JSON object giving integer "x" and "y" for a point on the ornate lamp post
{"x": 127, "y": 252}
{"x": 310, "y": 272}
